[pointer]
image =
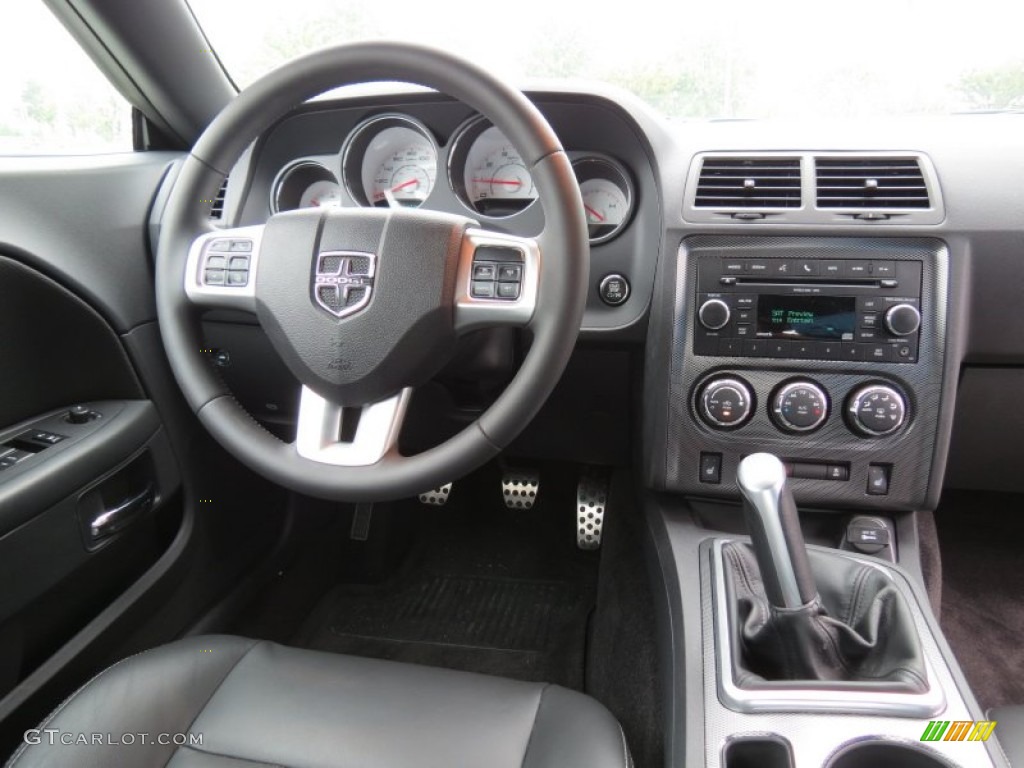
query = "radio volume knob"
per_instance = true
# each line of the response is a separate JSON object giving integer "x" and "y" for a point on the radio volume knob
{"x": 877, "y": 410}
{"x": 714, "y": 314}
{"x": 902, "y": 320}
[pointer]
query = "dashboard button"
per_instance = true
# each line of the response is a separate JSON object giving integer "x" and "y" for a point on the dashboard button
{"x": 614, "y": 290}
{"x": 736, "y": 267}
{"x": 220, "y": 245}
{"x": 869, "y": 304}
{"x": 744, "y": 330}
{"x": 511, "y": 273}
{"x": 214, "y": 277}
{"x": 889, "y": 283}
{"x": 838, "y": 472}
{"x": 810, "y": 471}
{"x": 867, "y": 335}
{"x": 727, "y": 280}
{"x": 711, "y": 468}
{"x": 878, "y": 353}
{"x": 744, "y": 316}
{"x": 497, "y": 253}
{"x": 783, "y": 268}
{"x": 833, "y": 268}
{"x": 831, "y": 350}
{"x": 730, "y": 347}
{"x": 779, "y": 349}
{"x": 882, "y": 269}
{"x": 878, "y": 480}
{"x": 806, "y": 350}
{"x": 852, "y": 351}
{"x": 216, "y": 262}
{"x": 805, "y": 268}
{"x": 755, "y": 348}
{"x": 744, "y": 302}
{"x": 857, "y": 269}
{"x": 759, "y": 267}
{"x": 869, "y": 320}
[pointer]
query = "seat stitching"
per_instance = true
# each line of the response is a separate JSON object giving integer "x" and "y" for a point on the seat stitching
{"x": 60, "y": 707}
{"x": 213, "y": 693}
{"x": 533, "y": 727}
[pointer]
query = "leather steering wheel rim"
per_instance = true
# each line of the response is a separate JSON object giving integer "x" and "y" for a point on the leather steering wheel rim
{"x": 561, "y": 293}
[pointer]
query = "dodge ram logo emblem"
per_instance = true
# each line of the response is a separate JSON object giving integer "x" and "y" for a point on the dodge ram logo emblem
{"x": 343, "y": 281}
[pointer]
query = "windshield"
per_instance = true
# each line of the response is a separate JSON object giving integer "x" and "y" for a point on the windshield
{"x": 739, "y": 59}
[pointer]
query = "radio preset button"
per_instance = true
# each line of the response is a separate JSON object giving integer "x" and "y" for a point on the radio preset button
{"x": 800, "y": 406}
{"x": 882, "y": 269}
{"x": 857, "y": 269}
{"x": 833, "y": 268}
{"x": 714, "y": 314}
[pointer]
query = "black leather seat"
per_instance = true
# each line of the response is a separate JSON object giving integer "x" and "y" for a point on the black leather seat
{"x": 255, "y": 703}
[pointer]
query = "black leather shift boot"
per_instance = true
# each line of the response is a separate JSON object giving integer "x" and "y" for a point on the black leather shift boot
{"x": 860, "y": 630}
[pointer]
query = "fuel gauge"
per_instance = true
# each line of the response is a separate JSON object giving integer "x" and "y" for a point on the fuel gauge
{"x": 607, "y": 196}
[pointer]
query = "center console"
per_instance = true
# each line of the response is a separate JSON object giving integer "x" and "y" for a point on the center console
{"x": 838, "y": 356}
{"x": 828, "y": 352}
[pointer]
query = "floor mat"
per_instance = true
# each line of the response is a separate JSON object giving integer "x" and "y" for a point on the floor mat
{"x": 983, "y": 592}
{"x": 533, "y": 630}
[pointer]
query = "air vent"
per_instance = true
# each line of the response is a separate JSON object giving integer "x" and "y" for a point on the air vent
{"x": 871, "y": 182}
{"x": 217, "y": 209}
{"x": 754, "y": 182}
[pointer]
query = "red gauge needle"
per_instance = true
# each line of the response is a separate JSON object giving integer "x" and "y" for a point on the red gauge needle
{"x": 405, "y": 184}
{"x": 513, "y": 182}
{"x": 593, "y": 213}
{"x": 315, "y": 201}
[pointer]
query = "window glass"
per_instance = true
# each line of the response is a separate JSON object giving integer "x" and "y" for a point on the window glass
{"x": 53, "y": 99}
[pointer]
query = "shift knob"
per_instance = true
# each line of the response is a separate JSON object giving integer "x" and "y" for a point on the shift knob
{"x": 775, "y": 532}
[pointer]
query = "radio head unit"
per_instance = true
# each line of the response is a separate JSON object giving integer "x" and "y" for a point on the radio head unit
{"x": 866, "y": 310}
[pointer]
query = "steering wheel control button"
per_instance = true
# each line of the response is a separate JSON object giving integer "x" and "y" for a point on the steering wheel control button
{"x": 226, "y": 263}
{"x": 711, "y": 468}
{"x": 902, "y": 320}
{"x": 800, "y": 406}
{"x": 726, "y": 403}
{"x": 714, "y": 314}
{"x": 482, "y": 289}
{"x": 484, "y": 271}
{"x": 613, "y": 289}
{"x": 497, "y": 273}
{"x": 878, "y": 480}
{"x": 877, "y": 410}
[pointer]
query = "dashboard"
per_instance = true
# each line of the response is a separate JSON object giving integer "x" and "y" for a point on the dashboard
{"x": 824, "y": 291}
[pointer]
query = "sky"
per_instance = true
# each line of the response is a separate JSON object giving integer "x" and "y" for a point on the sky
{"x": 801, "y": 57}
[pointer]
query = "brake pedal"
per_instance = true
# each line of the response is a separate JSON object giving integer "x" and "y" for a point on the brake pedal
{"x": 437, "y": 497}
{"x": 591, "y": 502}
{"x": 519, "y": 488}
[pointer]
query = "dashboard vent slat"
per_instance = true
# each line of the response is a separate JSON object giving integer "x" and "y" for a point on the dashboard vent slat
{"x": 755, "y": 182}
{"x": 217, "y": 209}
{"x": 870, "y": 182}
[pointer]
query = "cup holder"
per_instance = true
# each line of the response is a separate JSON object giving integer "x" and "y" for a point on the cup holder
{"x": 886, "y": 754}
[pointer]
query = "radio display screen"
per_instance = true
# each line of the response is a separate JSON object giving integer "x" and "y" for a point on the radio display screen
{"x": 806, "y": 317}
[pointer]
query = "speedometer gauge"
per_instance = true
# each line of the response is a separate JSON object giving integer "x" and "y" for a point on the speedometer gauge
{"x": 488, "y": 172}
{"x": 390, "y": 160}
{"x": 607, "y": 196}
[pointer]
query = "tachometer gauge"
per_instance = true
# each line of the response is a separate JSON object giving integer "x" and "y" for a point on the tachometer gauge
{"x": 304, "y": 184}
{"x": 488, "y": 173}
{"x": 390, "y": 160}
{"x": 607, "y": 196}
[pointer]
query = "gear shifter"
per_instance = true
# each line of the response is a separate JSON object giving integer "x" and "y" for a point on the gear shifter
{"x": 810, "y": 616}
{"x": 775, "y": 530}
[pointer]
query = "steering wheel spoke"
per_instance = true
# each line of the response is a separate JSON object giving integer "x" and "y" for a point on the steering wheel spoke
{"x": 221, "y": 268}
{"x": 329, "y": 433}
{"x": 497, "y": 281}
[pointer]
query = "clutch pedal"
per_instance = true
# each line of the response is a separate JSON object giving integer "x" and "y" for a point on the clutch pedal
{"x": 591, "y": 503}
{"x": 437, "y": 497}
{"x": 519, "y": 488}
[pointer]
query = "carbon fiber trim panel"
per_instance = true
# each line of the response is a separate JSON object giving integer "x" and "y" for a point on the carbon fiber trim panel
{"x": 910, "y": 451}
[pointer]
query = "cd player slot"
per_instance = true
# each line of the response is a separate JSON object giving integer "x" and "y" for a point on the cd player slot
{"x": 782, "y": 282}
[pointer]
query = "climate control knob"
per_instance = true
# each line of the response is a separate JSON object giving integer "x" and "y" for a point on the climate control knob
{"x": 902, "y": 320}
{"x": 726, "y": 403}
{"x": 877, "y": 410}
{"x": 713, "y": 314}
{"x": 800, "y": 406}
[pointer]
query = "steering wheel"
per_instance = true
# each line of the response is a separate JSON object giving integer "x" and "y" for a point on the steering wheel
{"x": 363, "y": 305}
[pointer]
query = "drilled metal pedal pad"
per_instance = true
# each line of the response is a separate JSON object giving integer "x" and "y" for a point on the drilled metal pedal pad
{"x": 591, "y": 502}
{"x": 519, "y": 488}
{"x": 437, "y": 497}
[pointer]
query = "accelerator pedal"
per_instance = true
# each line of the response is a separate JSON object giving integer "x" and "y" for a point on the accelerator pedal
{"x": 519, "y": 487}
{"x": 437, "y": 497}
{"x": 591, "y": 503}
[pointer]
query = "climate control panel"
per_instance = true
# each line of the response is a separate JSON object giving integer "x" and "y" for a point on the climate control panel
{"x": 873, "y": 409}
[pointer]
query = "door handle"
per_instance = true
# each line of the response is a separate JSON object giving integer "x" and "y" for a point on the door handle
{"x": 113, "y": 520}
